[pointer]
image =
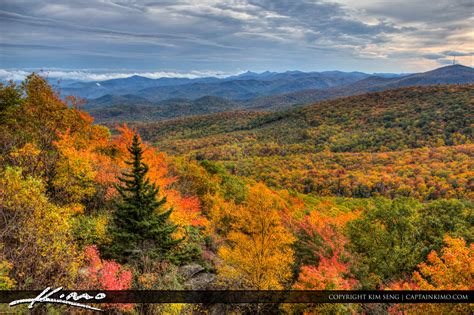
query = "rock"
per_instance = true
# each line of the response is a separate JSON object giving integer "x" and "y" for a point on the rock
{"x": 201, "y": 281}
{"x": 196, "y": 278}
{"x": 189, "y": 271}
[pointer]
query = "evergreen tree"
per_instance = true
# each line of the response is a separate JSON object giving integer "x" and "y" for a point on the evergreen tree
{"x": 140, "y": 231}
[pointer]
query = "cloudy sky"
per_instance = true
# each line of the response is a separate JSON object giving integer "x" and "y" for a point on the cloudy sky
{"x": 205, "y": 37}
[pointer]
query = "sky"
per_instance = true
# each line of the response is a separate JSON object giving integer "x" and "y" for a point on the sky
{"x": 101, "y": 39}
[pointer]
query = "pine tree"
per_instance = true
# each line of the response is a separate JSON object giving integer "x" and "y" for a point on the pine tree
{"x": 140, "y": 231}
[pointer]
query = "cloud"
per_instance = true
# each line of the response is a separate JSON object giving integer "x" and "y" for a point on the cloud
{"x": 445, "y": 57}
{"x": 15, "y": 75}
{"x": 457, "y": 53}
{"x": 88, "y": 75}
{"x": 229, "y": 35}
{"x": 421, "y": 11}
{"x": 433, "y": 56}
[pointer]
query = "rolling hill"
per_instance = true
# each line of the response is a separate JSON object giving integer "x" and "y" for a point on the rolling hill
{"x": 414, "y": 141}
{"x": 114, "y": 100}
{"x": 379, "y": 121}
{"x": 132, "y": 108}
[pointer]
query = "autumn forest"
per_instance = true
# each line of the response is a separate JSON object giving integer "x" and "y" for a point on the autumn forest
{"x": 372, "y": 191}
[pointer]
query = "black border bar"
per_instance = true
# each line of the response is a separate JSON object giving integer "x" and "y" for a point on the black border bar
{"x": 251, "y": 296}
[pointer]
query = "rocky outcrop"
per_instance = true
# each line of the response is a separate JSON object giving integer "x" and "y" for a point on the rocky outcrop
{"x": 196, "y": 277}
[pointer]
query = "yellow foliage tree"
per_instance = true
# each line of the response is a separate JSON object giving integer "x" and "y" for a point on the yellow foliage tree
{"x": 36, "y": 234}
{"x": 6, "y": 283}
{"x": 75, "y": 171}
{"x": 258, "y": 254}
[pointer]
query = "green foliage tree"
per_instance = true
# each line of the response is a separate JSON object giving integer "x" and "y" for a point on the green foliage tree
{"x": 387, "y": 242}
{"x": 445, "y": 217}
{"x": 140, "y": 231}
{"x": 10, "y": 98}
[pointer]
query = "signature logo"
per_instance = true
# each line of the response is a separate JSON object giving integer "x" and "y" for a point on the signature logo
{"x": 69, "y": 299}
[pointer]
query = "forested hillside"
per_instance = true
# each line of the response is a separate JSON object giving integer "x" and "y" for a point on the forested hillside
{"x": 375, "y": 122}
{"x": 365, "y": 192}
{"x": 123, "y": 109}
{"x": 343, "y": 147}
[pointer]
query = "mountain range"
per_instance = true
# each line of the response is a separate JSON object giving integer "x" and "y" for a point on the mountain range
{"x": 244, "y": 86}
{"x": 138, "y": 98}
{"x": 455, "y": 74}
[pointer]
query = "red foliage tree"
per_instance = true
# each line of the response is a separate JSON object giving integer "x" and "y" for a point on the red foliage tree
{"x": 106, "y": 275}
{"x": 332, "y": 272}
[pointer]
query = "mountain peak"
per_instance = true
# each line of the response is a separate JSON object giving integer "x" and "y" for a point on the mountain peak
{"x": 139, "y": 77}
{"x": 456, "y": 67}
{"x": 451, "y": 70}
{"x": 460, "y": 66}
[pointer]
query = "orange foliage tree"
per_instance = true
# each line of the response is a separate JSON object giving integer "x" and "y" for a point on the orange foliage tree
{"x": 453, "y": 270}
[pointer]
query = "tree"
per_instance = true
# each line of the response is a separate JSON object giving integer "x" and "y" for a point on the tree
{"x": 10, "y": 98}
{"x": 258, "y": 254}
{"x": 36, "y": 242}
{"x": 33, "y": 116}
{"x": 99, "y": 274}
{"x": 386, "y": 241}
{"x": 452, "y": 269}
{"x": 140, "y": 231}
{"x": 445, "y": 217}
{"x": 6, "y": 283}
{"x": 324, "y": 254}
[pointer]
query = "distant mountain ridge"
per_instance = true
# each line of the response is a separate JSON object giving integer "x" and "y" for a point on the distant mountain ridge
{"x": 170, "y": 101}
{"x": 455, "y": 74}
{"x": 243, "y": 86}
{"x": 130, "y": 85}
